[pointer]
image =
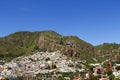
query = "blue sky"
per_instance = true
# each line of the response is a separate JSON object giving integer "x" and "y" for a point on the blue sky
{"x": 95, "y": 21}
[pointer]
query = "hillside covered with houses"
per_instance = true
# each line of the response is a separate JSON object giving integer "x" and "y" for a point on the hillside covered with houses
{"x": 56, "y": 66}
{"x": 47, "y": 55}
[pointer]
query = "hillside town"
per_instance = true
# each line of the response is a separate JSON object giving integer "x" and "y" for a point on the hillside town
{"x": 29, "y": 67}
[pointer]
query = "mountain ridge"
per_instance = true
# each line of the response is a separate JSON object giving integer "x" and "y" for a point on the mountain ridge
{"x": 26, "y": 42}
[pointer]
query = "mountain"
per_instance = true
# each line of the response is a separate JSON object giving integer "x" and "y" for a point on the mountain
{"x": 109, "y": 51}
{"x": 25, "y": 43}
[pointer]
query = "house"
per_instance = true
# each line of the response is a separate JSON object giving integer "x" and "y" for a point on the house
{"x": 66, "y": 78}
{"x": 2, "y": 77}
{"x": 117, "y": 64}
{"x": 103, "y": 79}
{"x": 53, "y": 71}
{"x": 116, "y": 73}
{"x": 76, "y": 78}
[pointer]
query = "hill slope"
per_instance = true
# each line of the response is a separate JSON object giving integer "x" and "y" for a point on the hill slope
{"x": 25, "y": 43}
{"x": 109, "y": 51}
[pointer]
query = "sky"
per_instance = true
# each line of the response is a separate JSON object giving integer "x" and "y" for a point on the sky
{"x": 95, "y": 21}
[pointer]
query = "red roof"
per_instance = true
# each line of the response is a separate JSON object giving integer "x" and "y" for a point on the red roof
{"x": 76, "y": 78}
{"x": 53, "y": 71}
{"x": 104, "y": 79}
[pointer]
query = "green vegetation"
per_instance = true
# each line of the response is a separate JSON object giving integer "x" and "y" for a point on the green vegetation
{"x": 25, "y": 43}
{"x": 117, "y": 78}
{"x": 17, "y": 44}
{"x": 71, "y": 75}
{"x": 109, "y": 51}
{"x": 108, "y": 46}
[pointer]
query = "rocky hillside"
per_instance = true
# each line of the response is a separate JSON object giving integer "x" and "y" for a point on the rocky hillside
{"x": 25, "y": 43}
{"x": 109, "y": 51}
